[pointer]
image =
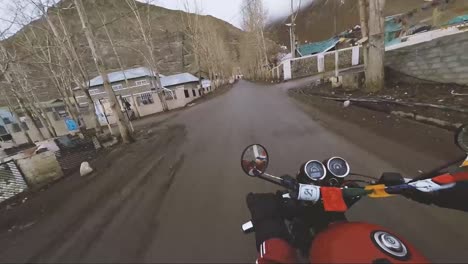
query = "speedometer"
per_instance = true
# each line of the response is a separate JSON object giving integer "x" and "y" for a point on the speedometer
{"x": 338, "y": 167}
{"x": 314, "y": 170}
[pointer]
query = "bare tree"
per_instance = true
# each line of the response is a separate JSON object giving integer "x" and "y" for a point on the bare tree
{"x": 117, "y": 56}
{"x": 6, "y": 60}
{"x": 124, "y": 130}
{"x": 208, "y": 47}
{"x": 7, "y": 70}
{"x": 254, "y": 19}
{"x": 144, "y": 29}
{"x": 68, "y": 51}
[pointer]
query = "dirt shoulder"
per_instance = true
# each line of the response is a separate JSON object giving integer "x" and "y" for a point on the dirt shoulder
{"x": 443, "y": 105}
{"x": 121, "y": 175}
{"x": 387, "y": 136}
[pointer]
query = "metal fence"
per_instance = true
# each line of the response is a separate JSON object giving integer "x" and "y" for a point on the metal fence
{"x": 73, "y": 151}
{"x": 12, "y": 181}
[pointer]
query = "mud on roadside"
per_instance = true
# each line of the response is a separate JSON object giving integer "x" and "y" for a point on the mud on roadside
{"x": 118, "y": 172}
{"x": 443, "y": 105}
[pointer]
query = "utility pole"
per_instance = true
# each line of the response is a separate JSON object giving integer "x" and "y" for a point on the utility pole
{"x": 292, "y": 31}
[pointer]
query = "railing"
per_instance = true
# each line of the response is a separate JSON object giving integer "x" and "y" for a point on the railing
{"x": 73, "y": 151}
{"x": 332, "y": 61}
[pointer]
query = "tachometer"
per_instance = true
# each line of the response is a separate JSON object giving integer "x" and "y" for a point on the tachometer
{"x": 314, "y": 170}
{"x": 338, "y": 167}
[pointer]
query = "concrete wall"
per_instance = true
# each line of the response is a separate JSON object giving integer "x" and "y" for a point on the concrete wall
{"x": 442, "y": 60}
{"x": 150, "y": 109}
{"x": 59, "y": 125}
{"x": 40, "y": 169}
{"x": 180, "y": 92}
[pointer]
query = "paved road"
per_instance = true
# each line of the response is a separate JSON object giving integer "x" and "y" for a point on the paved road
{"x": 196, "y": 215}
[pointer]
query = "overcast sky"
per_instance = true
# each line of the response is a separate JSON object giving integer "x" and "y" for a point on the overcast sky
{"x": 227, "y": 10}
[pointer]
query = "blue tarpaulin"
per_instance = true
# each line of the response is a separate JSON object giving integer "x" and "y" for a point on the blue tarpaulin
{"x": 317, "y": 47}
{"x": 458, "y": 20}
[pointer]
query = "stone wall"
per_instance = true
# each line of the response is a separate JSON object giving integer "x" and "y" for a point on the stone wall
{"x": 442, "y": 60}
{"x": 304, "y": 67}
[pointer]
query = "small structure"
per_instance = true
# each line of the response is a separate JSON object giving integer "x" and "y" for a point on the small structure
{"x": 10, "y": 127}
{"x": 184, "y": 86}
{"x": 140, "y": 97}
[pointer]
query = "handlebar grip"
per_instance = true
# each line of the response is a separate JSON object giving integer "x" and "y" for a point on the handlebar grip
{"x": 248, "y": 227}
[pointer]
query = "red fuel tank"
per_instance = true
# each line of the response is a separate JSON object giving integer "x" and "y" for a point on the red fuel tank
{"x": 362, "y": 243}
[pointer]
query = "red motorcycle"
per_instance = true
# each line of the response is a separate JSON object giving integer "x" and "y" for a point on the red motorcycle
{"x": 315, "y": 202}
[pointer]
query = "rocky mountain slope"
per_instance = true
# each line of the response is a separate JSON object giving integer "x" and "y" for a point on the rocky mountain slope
{"x": 172, "y": 47}
{"x": 316, "y": 22}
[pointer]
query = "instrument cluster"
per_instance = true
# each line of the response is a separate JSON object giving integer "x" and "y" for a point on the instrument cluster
{"x": 331, "y": 172}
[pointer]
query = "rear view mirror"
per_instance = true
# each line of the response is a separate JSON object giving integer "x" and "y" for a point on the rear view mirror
{"x": 461, "y": 138}
{"x": 254, "y": 160}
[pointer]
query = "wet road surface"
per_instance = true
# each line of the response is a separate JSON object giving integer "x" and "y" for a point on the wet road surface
{"x": 181, "y": 197}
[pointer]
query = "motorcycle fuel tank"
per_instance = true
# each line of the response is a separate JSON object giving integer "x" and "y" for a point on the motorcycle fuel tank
{"x": 362, "y": 243}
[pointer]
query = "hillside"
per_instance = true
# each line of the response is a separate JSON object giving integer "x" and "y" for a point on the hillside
{"x": 172, "y": 49}
{"x": 316, "y": 22}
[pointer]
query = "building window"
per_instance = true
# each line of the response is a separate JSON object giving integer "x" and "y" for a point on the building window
{"x": 24, "y": 126}
{"x": 194, "y": 93}
{"x": 187, "y": 95}
{"x": 16, "y": 128}
{"x": 3, "y": 130}
{"x": 117, "y": 87}
{"x": 141, "y": 82}
{"x": 145, "y": 99}
{"x": 170, "y": 95}
{"x": 94, "y": 91}
{"x": 38, "y": 123}
{"x": 6, "y": 120}
{"x": 83, "y": 107}
{"x": 60, "y": 113}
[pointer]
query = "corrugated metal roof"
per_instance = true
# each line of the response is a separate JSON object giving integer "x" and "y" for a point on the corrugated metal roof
{"x": 177, "y": 79}
{"x": 317, "y": 47}
{"x": 119, "y": 76}
{"x": 142, "y": 72}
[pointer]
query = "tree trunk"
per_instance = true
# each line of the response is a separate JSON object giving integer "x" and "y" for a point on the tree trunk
{"x": 375, "y": 67}
{"x": 45, "y": 117}
{"x": 29, "y": 115}
{"x": 66, "y": 52}
{"x": 155, "y": 80}
{"x": 26, "y": 111}
{"x": 363, "y": 14}
{"x": 119, "y": 61}
{"x": 16, "y": 117}
{"x": 124, "y": 131}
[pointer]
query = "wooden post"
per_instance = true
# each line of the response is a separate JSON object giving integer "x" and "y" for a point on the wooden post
{"x": 337, "y": 64}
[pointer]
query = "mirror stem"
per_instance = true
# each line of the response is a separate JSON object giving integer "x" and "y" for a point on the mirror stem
{"x": 270, "y": 180}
